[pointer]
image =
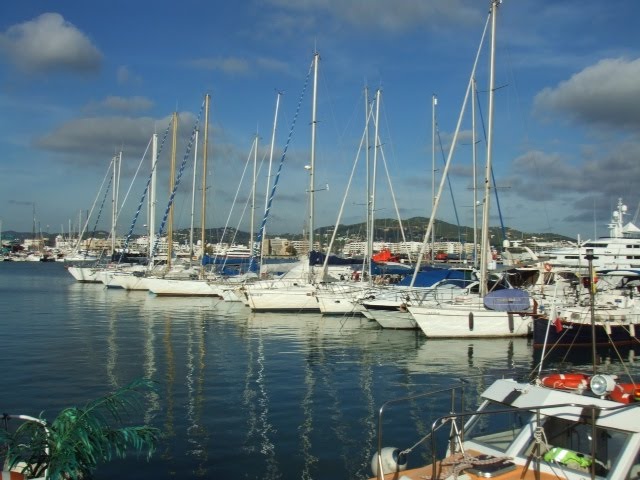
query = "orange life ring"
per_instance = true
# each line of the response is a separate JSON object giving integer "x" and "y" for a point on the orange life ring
{"x": 547, "y": 267}
{"x": 625, "y": 393}
{"x": 566, "y": 381}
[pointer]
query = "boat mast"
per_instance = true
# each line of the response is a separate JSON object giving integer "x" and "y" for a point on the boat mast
{"x": 193, "y": 194}
{"x": 114, "y": 200}
{"x": 273, "y": 142}
{"x": 474, "y": 152}
{"x": 152, "y": 195}
{"x": 434, "y": 102}
{"x": 172, "y": 181}
{"x": 374, "y": 173}
{"x": 485, "y": 252}
{"x": 369, "y": 252}
{"x": 316, "y": 58}
{"x": 253, "y": 197}
{"x": 205, "y": 149}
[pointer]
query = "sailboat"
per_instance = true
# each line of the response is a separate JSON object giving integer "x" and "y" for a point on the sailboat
{"x": 177, "y": 270}
{"x": 93, "y": 273}
{"x": 572, "y": 426}
{"x": 167, "y": 286}
{"x": 295, "y": 290}
{"x": 496, "y": 310}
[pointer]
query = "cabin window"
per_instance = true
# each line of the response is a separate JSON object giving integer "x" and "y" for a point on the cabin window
{"x": 497, "y": 430}
{"x": 570, "y": 444}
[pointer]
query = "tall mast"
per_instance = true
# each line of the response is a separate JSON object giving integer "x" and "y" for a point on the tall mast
{"x": 484, "y": 253}
{"x": 374, "y": 173}
{"x": 172, "y": 182}
{"x": 475, "y": 181}
{"x": 273, "y": 142}
{"x": 434, "y": 102}
{"x": 369, "y": 251}
{"x": 152, "y": 193}
{"x": 193, "y": 194}
{"x": 253, "y": 196}
{"x": 316, "y": 58}
{"x": 114, "y": 200}
{"x": 205, "y": 151}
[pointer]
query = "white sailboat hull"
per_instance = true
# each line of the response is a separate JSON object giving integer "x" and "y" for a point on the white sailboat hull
{"x": 182, "y": 288}
{"x": 469, "y": 321}
{"x": 85, "y": 274}
{"x": 295, "y": 298}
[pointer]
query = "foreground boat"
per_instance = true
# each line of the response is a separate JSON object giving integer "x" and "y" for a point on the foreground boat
{"x": 529, "y": 431}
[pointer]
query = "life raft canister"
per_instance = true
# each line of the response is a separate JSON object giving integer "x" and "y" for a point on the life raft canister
{"x": 566, "y": 381}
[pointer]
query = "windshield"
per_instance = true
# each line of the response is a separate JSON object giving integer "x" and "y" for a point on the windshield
{"x": 497, "y": 430}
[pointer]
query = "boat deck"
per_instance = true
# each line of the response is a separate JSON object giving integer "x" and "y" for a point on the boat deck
{"x": 447, "y": 472}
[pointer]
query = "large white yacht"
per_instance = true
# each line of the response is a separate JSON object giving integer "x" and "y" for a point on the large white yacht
{"x": 619, "y": 250}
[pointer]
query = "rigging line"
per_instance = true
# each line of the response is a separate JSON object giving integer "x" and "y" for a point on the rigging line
{"x": 106, "y": 192}
{"x": 235, "y": 199}
{"x": 427, "y": 233}
{"x": 86, "y": 223}
{"x": 135, "y": 175}
{"x": 325, "y": 264}
{"x": 453, "y": 200}
{"x": 180, "y": 172}
{"x": 146, "y": 188}
{"x": 330, "y": 104}
{"x": 493, "y": 177}
{"x": 378, "y": 141}
{"x": 248, "y": 200}
{"x": 129, "y": 191}
{"x": 244, "y": 209}
{"x": 386, "y": 169}
{"x": 282, "y": 158}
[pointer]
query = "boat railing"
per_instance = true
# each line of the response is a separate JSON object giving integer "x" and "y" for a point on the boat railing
{"x": 456, "y": 394}
{"x": 21, "y": 466}
{"x": 589, "y": 412}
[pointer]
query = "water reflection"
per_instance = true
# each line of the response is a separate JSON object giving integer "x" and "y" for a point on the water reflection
{"x": 260, "y": 395}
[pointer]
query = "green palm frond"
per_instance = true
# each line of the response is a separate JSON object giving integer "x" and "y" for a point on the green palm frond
{"x": 78, "y": 439}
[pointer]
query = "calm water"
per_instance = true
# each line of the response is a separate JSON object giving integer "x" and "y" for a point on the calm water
{"x": 241, "y": 395}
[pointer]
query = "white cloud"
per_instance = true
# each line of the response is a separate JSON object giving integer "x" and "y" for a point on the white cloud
{"x": 92, "y": 138}
{"x": 49, "y": 43}
{"x": 605, "y": 94}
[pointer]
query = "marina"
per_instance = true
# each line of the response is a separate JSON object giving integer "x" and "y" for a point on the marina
{"x": 270, "y": 395}
{"x": 380, "y": 345}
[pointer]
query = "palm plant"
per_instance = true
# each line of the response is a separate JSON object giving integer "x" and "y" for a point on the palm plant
{"x": 78, "y": 439}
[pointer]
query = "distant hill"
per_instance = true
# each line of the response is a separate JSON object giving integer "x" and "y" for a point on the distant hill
{"x": 387, "y": 230}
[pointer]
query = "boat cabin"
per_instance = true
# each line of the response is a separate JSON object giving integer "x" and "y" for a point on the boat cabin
{"x": 530, "y": 431}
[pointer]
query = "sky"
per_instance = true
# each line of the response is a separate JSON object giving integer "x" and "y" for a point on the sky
{"x": 82, "y": 81}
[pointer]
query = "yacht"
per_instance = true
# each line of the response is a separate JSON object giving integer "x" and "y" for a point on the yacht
{"x": 619, "y": 250}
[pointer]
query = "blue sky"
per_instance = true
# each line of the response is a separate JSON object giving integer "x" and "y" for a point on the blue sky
{"x": 81, "y": 81}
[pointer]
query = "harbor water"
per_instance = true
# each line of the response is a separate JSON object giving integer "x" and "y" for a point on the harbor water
{"x": 239, "y": 394}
